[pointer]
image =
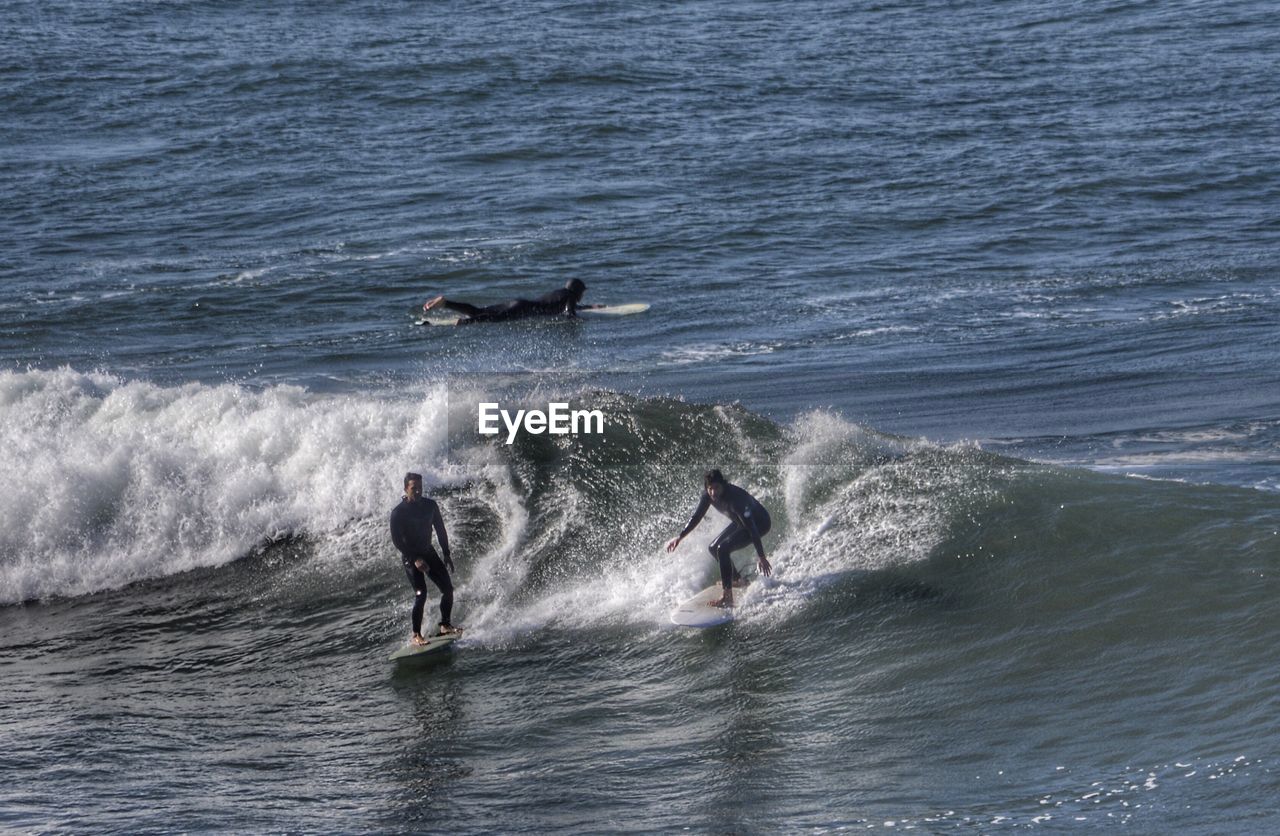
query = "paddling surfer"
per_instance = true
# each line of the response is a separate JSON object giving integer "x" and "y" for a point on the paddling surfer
{"x": 748, "y": 522}
{"x": 564, "y": 301}
{"x": 412, "y": 522}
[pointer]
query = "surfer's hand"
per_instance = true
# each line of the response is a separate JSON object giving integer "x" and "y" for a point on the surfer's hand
{"x": 765, "y": 568}
{"x": 675, "y": 541}
{"x": 421, "y": 564}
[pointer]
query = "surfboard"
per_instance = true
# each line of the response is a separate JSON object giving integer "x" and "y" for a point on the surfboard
{"x": 606, "y": 310}
{"x": 698, "y": 612}
{"x": 618, "y": 310}
{"x": 435, "y": 644}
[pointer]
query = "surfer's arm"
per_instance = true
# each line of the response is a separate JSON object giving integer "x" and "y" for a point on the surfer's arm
{"x": 698, "y": 514}
{"x": 748, "y": 522}
{"x": 749, "y": 525}
{"x": 437, "y": 522}
{"x": 741, "y": 504}
{"x": 755, "y": 538}
{"x": 701, "y": 511}
{"x": 397, "y": 534}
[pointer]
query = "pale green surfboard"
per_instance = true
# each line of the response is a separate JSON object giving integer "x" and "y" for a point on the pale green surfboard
{"x": 435, "y": 644}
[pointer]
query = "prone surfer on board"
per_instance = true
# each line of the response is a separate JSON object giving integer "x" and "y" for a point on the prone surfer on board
{"x": 557, "y": 302}
{"x": 411, "y": 524}
{"x": 749, "y": 521}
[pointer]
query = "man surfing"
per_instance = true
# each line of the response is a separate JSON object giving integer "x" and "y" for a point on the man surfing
{"x": 411, "y": 524}
{"x": 557, "y": 302}
{"x": 749, "y": 521}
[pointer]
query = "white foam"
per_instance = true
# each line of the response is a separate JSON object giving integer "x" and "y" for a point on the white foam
{"x": 846, "y": 501}
{"x": 857, "y": 501}
{"x": 695, "y": 354}
{"x": 110, "y": 481}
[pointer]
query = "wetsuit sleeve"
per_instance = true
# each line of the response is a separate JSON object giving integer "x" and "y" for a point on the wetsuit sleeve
{"x": 398, "y": 533}
{"x": 701, "y": 511}
{"x": 437, "y": 522}
{"x": 571, "y": 309}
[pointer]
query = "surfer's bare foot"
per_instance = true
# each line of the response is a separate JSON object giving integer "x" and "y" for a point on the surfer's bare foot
{"x": 433, "y": 303}
{"x": 417, "y": 640}
{"x": 724, "y": 603}
{"x": 449, "y": 630}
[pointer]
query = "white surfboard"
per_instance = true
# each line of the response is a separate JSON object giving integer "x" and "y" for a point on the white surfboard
{"x": 435, "y": 644}
{"x": 618, "y": 310}
{"x": 698, "y": 612}
{"x": 607, "y": 310}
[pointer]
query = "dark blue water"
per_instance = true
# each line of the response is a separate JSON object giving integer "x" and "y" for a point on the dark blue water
{"x": 980, "y": 299}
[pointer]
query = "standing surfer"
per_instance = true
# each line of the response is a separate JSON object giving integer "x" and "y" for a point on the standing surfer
{"x": 749, "y": 521}
{"x": 411, "y": 524}
{"x": 563, "y": 301}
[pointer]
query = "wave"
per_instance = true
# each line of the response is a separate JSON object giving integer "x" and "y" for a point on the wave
{"x": 115, "y": 481}
{"x": 112, "y": 482}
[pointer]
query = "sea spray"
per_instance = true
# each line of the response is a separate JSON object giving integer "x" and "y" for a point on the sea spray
{"x": 112, "y": 481}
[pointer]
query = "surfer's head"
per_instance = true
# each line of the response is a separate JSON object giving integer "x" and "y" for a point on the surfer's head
{"x": 715, "y": 482}
{"x": 577, "y": 287}
{"x": 413, "y": 485}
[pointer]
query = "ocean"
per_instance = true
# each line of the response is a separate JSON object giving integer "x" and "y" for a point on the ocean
{"x": 979, "y": 300}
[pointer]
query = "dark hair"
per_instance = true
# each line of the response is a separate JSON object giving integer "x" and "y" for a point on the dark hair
{"x": 714, "y": 475}
{"x": 412, "y": 477}
{"x": 576, "y": 287}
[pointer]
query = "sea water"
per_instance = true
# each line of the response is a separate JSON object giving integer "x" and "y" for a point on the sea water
{"x": 978, "y": 299}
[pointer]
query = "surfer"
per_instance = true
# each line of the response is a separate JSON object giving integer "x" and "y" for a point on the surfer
{"x": 563, "y": 301}
{"x": 411, "y": 524}
{"x": 749, "y": 521}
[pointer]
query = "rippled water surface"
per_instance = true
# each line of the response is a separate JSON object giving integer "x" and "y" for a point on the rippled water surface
{"x": 980, "y": 300}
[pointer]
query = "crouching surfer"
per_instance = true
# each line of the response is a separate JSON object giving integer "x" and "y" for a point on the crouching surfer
{"x": 412, "y": 522}
{"x": 748, "y": 522}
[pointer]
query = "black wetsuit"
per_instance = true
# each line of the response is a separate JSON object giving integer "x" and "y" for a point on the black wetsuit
{"x": 749, "y": 521}
{"x": 411, "y": 524}
{"x": 562, "y": 301}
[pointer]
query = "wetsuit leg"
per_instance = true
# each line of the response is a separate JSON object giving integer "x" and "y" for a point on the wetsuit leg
{"x": 500, "y": 312}
{"x": 722, "y": 548}
{"x": 514, "y": 309}
{"x": 519, "y": 309}
{"x": 462, "y": 308}
{"x": 727, "y": 542}
{"x": 419, "y": 582}
{"x": 440, "y": 577}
